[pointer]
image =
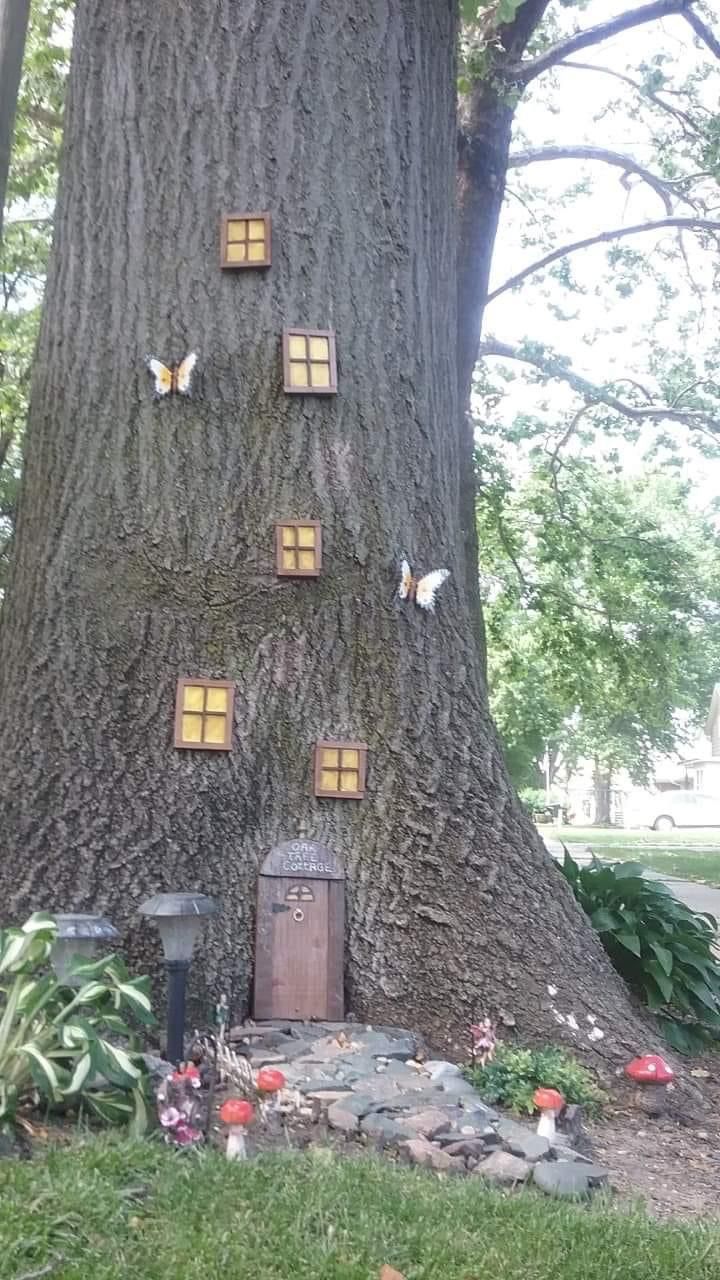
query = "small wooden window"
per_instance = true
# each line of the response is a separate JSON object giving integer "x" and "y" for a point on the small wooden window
{"x": 245, "y": 240}
{"x": 204, "y": 714}
{"x": 300, "y": 893}
{"x": 309, "y": 362}
{"x": 298, "y": 549}
{"x": 340, "y": 769}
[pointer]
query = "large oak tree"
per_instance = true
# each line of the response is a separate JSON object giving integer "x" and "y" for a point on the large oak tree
{"x": 144, "y": 540}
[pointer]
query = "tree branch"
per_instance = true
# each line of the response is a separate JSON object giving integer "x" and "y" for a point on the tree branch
{"x": 664, "y": 189}
{"x": 642, "y": 92}
{"x": 594, "y": 394}
{"x": 603, "y": 237}
{"x": 527, "y": 71}
{"x": 703, "y": 32}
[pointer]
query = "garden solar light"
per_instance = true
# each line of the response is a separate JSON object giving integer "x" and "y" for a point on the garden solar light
{"x": 78, "y": 934}
{"x": 549, "y": 1102}
{"x": 237, "y": 1114}
{"x": 180, "y": 918}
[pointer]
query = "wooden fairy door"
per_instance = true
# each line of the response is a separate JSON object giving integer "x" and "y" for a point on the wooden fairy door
{"x": 299, "y": 958}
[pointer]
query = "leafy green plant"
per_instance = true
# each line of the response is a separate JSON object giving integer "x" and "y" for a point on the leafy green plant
{"x": 54, "y": 1039}
{"x": 513, "y": 1075}
{"x": 659, "y": 945}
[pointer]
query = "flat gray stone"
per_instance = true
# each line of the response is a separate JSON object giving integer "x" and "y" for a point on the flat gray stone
{"x": 503, "y": 1168}
{"x": 522, "y": 1142}
{"x": 424, "y": 1124}
{"x": 420, "y": 1151}
{"x": 560, "y": 1152}
{"x": 474, "y": 1147}
{"x": 569, "y": 1178}
{"x": 439, "y": 1070}
{"x": 479, "y": 1115}
{"x": 459, "y": 1087}
{"x": 339, "y": 1117}
{"x": 360, "y": 1105}
{"x": 379, "y": 1124}
{"x": 379, "y": 1044}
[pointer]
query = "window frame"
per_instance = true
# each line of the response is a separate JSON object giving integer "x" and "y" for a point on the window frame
{"x": 201, "y": 682}
{"x": 280, "y": 569}
{"x": 227, "y": 218}
{"x": 295, "y": 332}
{"x": 326, "y": 793}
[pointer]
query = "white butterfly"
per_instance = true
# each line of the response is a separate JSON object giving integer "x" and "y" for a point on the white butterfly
{"x": 421, "y": 590}
{"x": 177, "y": 378}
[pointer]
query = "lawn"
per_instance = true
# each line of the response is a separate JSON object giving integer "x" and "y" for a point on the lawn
{"x": 117, "y": 1210}
{"x": 690, "y": 854}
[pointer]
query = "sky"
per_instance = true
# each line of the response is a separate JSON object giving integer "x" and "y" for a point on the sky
{"x": 605, "y": 335}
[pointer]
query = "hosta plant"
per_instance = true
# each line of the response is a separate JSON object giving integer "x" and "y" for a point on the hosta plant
{"x": 64, "y": 1044}
{"x": 662, "y": 948}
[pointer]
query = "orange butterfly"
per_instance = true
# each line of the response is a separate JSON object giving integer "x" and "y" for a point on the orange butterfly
{"x": 421, "y": 590}
{"x": 177, "y": 378}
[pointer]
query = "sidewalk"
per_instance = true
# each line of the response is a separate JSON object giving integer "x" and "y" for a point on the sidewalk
{"x": 699, "y": 897}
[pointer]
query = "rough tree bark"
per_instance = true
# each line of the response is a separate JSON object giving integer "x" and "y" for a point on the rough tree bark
{"x": 144, "y": 541}
{"x": 14, "y": 15}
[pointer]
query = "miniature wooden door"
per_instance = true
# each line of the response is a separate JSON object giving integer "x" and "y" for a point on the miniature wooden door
{"x": 300, "y": 934}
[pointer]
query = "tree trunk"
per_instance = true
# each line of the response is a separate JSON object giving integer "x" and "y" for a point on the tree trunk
{"x": 144, "y": 547}
{"x": 602, "y": 786}
{"x": 14, "y": 17}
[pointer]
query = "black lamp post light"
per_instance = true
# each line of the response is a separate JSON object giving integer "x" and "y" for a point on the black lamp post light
{"x": 78, "y": 934}
{"x": 180, "y": 918}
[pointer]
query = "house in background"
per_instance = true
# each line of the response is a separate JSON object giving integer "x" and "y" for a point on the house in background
{"x": 697, "y": 768}
{"x": 703, "y": 769}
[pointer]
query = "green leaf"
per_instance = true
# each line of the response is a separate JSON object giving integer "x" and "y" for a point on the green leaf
{"x": 83, "y": 1067}
{"x": 665, "y": 957}
{"x": 47, "y": 1074}
{"x": 625, "y": 870}
{"x": 660, "y": 977}
{"x": 630, "y": 941}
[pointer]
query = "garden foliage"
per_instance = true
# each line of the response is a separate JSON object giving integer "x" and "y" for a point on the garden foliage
{"x": 69, "y": 1045}
{"x": 662, "y": 948}
{"x": 513, "y": 1075}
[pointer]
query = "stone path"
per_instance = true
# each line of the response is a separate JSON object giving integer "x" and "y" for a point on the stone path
{"x": 368, "y": 1084}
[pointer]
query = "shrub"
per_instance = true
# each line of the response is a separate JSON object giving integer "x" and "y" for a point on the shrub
{"x": 513, "y": 1075}
{"x": 54, "y": 1039}
{"x": 659, "y": 945}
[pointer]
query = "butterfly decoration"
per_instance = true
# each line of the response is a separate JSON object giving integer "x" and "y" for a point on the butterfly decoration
{"x": 176, "y": 379}
{"x": 421, "y": 590}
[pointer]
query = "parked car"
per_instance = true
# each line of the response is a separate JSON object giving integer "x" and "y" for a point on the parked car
{"x": 680, "y": 809}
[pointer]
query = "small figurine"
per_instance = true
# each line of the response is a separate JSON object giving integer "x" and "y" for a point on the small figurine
{"x": 175, "y": 379}
{"x": 484, "y": 1041}
{"x": 179, "y": 1106}
{"x": 222, "y": 1014}
{"x": 421, "y": 590}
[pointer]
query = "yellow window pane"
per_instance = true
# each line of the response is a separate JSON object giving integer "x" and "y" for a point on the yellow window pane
{"x": 216, "y": 700}
{"x": 192, "y": 728}
{"x": 257, "y": 229}
{"x": 320, "y": 375}
{"x": 297, "y": 347}
{"x": 328, "y": 780}
{"x": 350, "y": 760}
{"x": 193, "y": 697}
{"x": 306, "y": 536}
{"x": 306, "y": 559}
{"x": 237, "y": 229}
{"x": 289, "y": 535}
{"x": 349, "y": 780}
{"x": 319, "y": 348}
{"x": 298, "y": 374}
{"x": 330, "y": 758}
{"x": 256, "y": 251}
{"x": 215, "y": 728}
{"x": 288, "y": 558}
{"x": 236, "y": 253}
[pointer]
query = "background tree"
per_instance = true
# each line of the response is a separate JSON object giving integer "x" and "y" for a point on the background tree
{"x": 602, "y": 609}
{"x": 13, "y": 27}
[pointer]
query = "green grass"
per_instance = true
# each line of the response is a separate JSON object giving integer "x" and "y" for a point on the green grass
{"x": 687, "y": 854}
{"x": 114, "y": 1210}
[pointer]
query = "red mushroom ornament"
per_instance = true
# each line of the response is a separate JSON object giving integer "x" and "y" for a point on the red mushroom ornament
{"x": 652, "y": 1073}
{"x": 237, "y": 1114}
{"x": 550, "y": 1103}
{"x": 269, "y": 1080}
{"x": 650, "y": 1069}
